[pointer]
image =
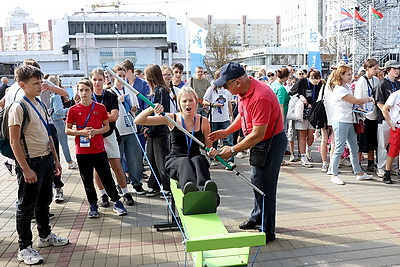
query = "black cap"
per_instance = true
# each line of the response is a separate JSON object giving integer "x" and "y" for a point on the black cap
{"x": 230, "y": 71}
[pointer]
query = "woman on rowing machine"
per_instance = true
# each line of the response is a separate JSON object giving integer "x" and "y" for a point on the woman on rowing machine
{"x": 185, "y": 162}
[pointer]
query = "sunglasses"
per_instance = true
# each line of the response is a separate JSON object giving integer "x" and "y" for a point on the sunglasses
{"x": 300, "y": 73}
{"x": 271, "y": 75}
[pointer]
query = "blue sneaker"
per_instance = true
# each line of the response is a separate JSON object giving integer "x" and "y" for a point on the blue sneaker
{"x": 120, "y": 209}
{"x": 94, "y": 211}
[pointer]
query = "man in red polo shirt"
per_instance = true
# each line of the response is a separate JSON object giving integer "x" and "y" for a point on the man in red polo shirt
{"x": 261, "y": 121}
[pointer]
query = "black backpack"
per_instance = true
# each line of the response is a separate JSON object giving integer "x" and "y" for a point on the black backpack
{"x": 317, "y": 117}
{"x": 5, "y": 147}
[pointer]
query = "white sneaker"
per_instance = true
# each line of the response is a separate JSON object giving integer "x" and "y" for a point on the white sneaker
{"x": 29, "y": 256}
{"x": 52, "y": 240}
{"x": 308, "y": 153}
{"x": 336, "y": 180}
{"x": 305, "y": 162}
{"x": 214, "y": 163}
{"x": 380, "y": 173}
{"x": 324, "y": 167}
{"x": 58, "y": 195}
{"x": 365, "y": 176}
{"x": 345, "y": 162}
{"x": 240, "y": 155}
{"x": 292, "y": 158}
{"x": 73, "y": 165}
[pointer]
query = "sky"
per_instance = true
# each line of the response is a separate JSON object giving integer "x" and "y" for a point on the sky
{"x": 42, "y": 10}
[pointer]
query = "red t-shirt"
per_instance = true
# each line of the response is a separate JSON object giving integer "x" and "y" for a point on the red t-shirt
{"x": 77, "y": 115}
{"x": 260, "y": 106}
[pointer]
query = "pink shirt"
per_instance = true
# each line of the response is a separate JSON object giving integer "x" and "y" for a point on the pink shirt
{"x": 259, "y": 106}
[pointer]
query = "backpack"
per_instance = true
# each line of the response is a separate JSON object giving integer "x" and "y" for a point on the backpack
{"x": 318, "y": 118}
{"x": 5, "y": 147}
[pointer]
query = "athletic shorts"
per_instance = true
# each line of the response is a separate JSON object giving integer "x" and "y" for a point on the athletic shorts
{"x": 394, "y": 143}
{"x": 111, "y": 146}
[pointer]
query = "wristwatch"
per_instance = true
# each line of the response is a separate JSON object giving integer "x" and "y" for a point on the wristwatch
{"x": 233, "y": 151}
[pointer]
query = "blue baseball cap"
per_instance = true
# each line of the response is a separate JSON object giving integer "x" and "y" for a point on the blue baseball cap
{"x": 230, "y": 71}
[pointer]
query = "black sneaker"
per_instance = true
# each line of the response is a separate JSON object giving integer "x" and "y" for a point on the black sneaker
{"x": 9, "y": 167}
{"x": 104, "y": 201}
{"x": 386, "y": 178}
{"x": 128, "y": 200}
{"x": 372, "y": 168}
{"x": 139, "y": 189}
{"x": 152, "y": 192}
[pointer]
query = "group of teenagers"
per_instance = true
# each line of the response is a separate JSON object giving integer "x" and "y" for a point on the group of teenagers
{"x": 104, "y": 122}
{"x": 362, "y": 115}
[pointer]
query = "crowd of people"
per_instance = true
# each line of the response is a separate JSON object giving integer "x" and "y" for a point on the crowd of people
{"x": 234, "y": 115}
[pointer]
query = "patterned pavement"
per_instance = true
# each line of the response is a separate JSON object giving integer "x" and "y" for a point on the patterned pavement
{"x": 318, "y": 223}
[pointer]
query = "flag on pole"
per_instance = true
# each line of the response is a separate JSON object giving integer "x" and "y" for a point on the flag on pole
{"x": 357, "y": 15}
{"x": 376, "y": 13}
{"x": 345, "y": 12}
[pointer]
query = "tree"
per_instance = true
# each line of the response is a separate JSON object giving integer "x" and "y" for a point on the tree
{"x": 221, "y": 49}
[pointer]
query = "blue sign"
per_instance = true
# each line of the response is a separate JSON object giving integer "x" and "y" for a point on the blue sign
{"x": 314, "y": 60}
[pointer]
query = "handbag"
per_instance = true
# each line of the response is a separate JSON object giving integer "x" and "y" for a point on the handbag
{"x": 318, "y": 118}
{"x": 306, "y": 113}
{"x": 359, "y": 127}
{"x": 295, "y": 109}
{"x": 258, "y": 153}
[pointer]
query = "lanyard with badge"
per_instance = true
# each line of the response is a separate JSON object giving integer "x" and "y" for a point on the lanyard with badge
{"x": 128, "y": 119}
{"x": 393, "y": 84}
{"x": 189, "y": 141}
{"x": 46, "y": 125}
{"x": 84, "y": 141}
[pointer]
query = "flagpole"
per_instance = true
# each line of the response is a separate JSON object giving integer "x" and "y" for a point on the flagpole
{"x": 354, "y": 40}
{"x": 187, "y": 48}
{"x": 370, "y": 31}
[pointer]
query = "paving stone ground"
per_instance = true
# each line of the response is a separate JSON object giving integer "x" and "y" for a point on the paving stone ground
{"x": 318, "y": 223}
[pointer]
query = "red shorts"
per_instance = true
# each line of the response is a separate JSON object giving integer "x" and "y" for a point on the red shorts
{"x": 394, "y": 143}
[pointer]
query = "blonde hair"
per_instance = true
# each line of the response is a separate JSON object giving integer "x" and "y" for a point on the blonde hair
{"x": 335, "y": 78}
{"x": 186, "y": 90}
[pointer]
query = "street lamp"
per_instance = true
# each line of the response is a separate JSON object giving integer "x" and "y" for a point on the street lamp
{"x": 85, "y": 43}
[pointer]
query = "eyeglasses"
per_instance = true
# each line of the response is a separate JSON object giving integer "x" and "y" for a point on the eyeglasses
{"x": 167, "y": 75}
{"x": 226, "y": 85}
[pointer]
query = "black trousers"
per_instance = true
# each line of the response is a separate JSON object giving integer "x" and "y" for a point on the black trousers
{"x": 156, "y": 151}
{"x": 57, "y": 179}
{"x": 99, "y": 162}
{"x": 184, "y": 169}
{"x": 34, "y": 198}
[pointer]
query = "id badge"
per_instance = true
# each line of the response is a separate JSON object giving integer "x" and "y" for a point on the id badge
{"x": 128, "y": 121}
{"x": 84, "y": 141}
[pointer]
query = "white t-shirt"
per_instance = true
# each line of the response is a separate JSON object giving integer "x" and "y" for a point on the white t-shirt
{"x": 343, "y": 109}
{"x": 173, "y": 104}
{"x": 13, "y": 93}
{"x": 394, "y": 103}
{"x": 361, "y": 91}
{"x": 222, "y": 96}
{"x": 328, "y": 103}
{"x": 125, "y": 119}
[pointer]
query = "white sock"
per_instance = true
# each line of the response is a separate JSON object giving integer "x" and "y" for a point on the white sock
{"x": 124, "y": 190}
{"x": 102, "y": 192}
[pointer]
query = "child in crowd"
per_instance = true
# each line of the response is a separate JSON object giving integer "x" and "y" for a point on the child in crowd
{"x": 391, "y": 112}
{"x": 91, "y": 121}
{"x": 36, "y": 166}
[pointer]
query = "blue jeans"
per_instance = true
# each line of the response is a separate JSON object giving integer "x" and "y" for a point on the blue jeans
{"x": 130, "y": 147}
{"x": 266, "y": 179}
{"x": 63, "y": 139}
{"x": 227, "y": 141}
{"x": 345, "y": 133}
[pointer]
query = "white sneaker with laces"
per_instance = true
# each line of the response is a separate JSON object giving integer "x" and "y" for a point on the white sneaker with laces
{"x": 52, "y": 240}
{"x": 73, "y": 165}
{"x": 240, "y": 155}
{"x": 336, "y": 180}
{"x": 345, "y": 162}
{"x": 58, "y": 195}
{"x": 380, "y": 173}
{"x": 308, "y": 153}
{"x": 363, "y": 177}
{"x": 29, "y": 256}
{"x": 305, "y": 162}
{"x": 324, "y": 167}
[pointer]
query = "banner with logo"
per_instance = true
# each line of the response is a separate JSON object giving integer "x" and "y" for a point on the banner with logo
{"x": 314, "y": 55}
{"x": 198, "y": 47}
